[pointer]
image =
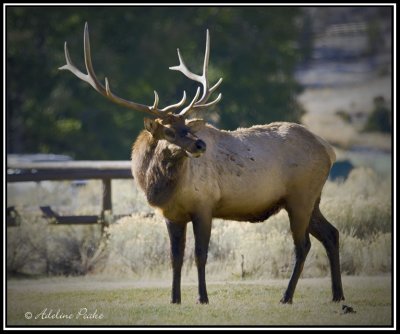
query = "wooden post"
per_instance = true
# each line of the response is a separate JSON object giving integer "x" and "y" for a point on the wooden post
{"x": 107, "y": 202}
{"x": 242, "y": 266}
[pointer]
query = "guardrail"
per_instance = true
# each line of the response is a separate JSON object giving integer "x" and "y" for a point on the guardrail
{"x": 70, "y": 170}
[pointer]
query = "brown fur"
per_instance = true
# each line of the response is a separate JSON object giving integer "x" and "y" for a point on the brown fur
{"x": 191, "y": 171}
{"x": 245, "y": 175}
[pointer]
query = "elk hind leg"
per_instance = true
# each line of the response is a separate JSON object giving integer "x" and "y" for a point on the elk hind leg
{"x": 298, "y": 224}
{"x": 328, "y": 235}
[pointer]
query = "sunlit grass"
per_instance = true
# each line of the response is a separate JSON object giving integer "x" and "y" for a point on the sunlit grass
{"x": 247, "y": 303}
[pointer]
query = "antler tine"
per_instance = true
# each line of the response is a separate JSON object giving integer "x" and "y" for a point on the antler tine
{"x": 175, "y": 106}
{"x": 203, "y": 79}
{"x": 156, "y": 100}
{"x": 190, "y": 106}
{"x": 92, "y": 80}
{"x": 184, "y": 69}
{"x": 209, "y": 104}
{"x": 205, "y": 66}
{"x": 206, "y": 105}
{"x": 70, "y": 66}
{"x": 88, "y": 63}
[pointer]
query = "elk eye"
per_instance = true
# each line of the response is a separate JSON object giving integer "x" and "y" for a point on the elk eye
{"x": 169, "y": 134}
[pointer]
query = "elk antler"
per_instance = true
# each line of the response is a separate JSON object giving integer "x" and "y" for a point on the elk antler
{"x": 92, "y": 80}
{"x": 207, "y": 91}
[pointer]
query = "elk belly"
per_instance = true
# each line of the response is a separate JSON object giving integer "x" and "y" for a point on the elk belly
{"x": 249, "y": 213}
{"x": 251, "y": 197}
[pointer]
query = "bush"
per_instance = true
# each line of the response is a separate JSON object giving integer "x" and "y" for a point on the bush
{"x": 360, "y": 206}
{"x": 75, "y": 250}
{"x": 380, "y": 117}
{"x": 138, "y": 245}
{"x": 35, "y": 247}
{"x": 26, "y": 245}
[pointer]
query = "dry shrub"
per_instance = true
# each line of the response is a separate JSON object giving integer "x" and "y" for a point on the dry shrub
{"x": 138, "y": 245}
{"x": 361, "y": 205}
{"x": 36, "y": 247}
{"x": 26, "y": 245}
{"x": 75, "y": 250}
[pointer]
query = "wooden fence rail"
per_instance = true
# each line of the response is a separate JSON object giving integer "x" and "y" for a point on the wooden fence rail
{"x": 71, "y": 170}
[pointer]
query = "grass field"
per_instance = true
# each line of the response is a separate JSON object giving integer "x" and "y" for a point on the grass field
{"x": 93, "y": 302}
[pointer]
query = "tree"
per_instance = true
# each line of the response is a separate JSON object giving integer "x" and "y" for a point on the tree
{"x": 253, "y": 49}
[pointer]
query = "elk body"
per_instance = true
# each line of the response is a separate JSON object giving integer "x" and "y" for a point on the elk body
{"x": 193, "y": 172}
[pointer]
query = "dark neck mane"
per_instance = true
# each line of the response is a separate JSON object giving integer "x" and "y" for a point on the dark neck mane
{"x": 156, "y": 168}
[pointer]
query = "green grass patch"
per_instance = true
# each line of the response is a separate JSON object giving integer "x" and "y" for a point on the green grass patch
{"x": 247, "y": 303}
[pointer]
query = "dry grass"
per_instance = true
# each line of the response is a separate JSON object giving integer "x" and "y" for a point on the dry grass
{"x": 245, "y": 303}
{"x": 138, "y": 245}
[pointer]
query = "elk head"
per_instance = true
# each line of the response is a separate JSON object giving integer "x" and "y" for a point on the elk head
{"x": 164, "y": 123}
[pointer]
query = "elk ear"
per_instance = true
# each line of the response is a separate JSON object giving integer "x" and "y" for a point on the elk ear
{"x": 150, "y": 125}
{"x": 196, "y": 124}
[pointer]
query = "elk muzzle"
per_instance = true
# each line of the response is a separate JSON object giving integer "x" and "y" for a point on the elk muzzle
{"x": 190, "y": 143}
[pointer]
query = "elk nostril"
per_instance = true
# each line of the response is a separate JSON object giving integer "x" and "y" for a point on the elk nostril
{"x": 201, "y": 145}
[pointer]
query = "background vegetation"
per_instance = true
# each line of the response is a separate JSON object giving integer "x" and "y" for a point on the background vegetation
{"x": 138, "y": 244}
{"x": 254, "y": 49}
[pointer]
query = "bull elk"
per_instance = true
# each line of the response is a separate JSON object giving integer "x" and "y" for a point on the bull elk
{"x": 191, "y": 171}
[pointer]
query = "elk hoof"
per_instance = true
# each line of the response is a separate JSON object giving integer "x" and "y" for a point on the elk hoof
{"x": 202, "y": 300}
{"x": 286, "y": 300}
{"x": 173, "y": 301}
{"x": 337, "y": 299}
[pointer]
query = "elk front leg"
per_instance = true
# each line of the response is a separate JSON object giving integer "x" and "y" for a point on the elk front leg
{"x": 202, "y": 232}
{"x": 177, "y": 236}
{"x": 328, "y": 235}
